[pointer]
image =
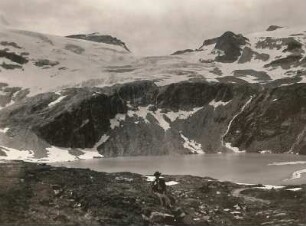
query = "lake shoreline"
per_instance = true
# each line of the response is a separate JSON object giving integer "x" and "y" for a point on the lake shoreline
{"x": 274, "y": 169}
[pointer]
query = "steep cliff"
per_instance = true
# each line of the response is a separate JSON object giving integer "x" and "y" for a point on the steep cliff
{"x": 141, "y": 118}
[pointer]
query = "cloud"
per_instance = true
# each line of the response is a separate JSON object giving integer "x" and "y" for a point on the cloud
{"x": 153, "y": 26}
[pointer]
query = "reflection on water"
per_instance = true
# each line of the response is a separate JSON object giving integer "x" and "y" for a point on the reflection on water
{"x": 243, "y": 168}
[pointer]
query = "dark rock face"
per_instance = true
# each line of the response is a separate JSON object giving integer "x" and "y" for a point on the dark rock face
{"x": 74, "y": 48}
{"x": 279, "y": 43}
{"x": 137, "y": 93}
{"x": 95, "y": 37}
{"x": 293, "y": 46}
{"x": 84, "y": 123}
{"x": 208, "y": 42}
{"x": 248, "y": 54}
{"x": 286, "y": 62}
{"x": 189, "y": 95}
{"x": 13, "y": 44}
{"x": 11, "y": 94}
{"x": 273, "y": 28}
{"x": 274, "y": 120}
{"x": 10, "y": 66}
{"x": 13, "y": 57}
{"x": 230, "y": 44}
{"x": 179, "y": 52}
{"x": 45, "y": 62}
{"x": 140, "y": 118}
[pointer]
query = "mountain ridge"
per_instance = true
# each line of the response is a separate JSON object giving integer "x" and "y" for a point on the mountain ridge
{"x": 100, "y": 38}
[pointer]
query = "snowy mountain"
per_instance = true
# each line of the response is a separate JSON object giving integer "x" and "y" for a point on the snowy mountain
{"x": 276, "y": 56}
{"x": 77, "y": 98}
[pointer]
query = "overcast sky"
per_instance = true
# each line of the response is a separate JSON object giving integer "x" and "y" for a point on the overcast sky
{"x": 152, "y": 27}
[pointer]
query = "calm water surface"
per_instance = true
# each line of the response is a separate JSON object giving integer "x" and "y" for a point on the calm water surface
{"x": 243, "y": 168}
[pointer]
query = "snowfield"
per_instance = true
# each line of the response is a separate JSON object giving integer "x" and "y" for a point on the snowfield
{"x": 56, "y": 62}
{"x": 54, "y": 154}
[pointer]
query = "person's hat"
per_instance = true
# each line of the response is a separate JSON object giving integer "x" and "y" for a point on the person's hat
{"x": 157, "y": 174}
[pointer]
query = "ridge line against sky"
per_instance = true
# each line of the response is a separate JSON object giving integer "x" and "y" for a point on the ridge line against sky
{"x": 153, "y": 27}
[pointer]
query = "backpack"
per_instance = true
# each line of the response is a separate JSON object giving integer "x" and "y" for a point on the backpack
{"x": 159, "y": 186}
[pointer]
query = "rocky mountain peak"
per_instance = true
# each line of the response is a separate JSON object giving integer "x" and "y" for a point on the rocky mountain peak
{"x": 100, "y": 38}
{"x": 230, "y": 45}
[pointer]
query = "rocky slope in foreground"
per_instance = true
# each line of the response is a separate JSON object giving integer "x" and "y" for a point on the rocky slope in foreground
{"x": 39, "y": 194}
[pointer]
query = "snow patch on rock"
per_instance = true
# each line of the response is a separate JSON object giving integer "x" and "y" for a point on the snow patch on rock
{"x": 265, "y": 152}
{"x": 297, "y": 174}
{"x": 14, "y": 154}
{"x": 171, "y": 183}
{"x": 56, "y": 154}
{"x": 294, "y": 189}
{"x": 286, "y": 163}
{"x": 4, "y": 130}
{"x": 168, "y": 183}
{"x": 173, "y": 116}
{"x": 234, "y": 149}
{"x": 142, "y": 112}
{"x": 89, "y": 155}
{"x": 216, "y": 104}
{"x": 115, "y": 122}
{"x": 192, "y": 145}
{"x": 269, "y": 187}
{"x": 58, "y": 100}
{"x": 151, "y": 178}
{"x": 102, "y": 140}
